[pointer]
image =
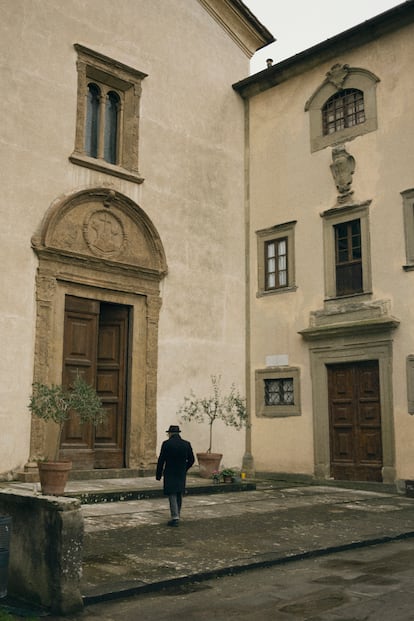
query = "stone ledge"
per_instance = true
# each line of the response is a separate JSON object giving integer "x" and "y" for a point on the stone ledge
{"x": 45, "y": 560}
{"x": 121, "y": 495}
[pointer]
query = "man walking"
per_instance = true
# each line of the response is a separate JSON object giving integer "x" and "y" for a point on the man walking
{"x": 176, "y": 457}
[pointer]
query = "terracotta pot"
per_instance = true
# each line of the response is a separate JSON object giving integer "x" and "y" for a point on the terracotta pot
{"x": 53, "y": 476}
{"x": 208, "y": 462}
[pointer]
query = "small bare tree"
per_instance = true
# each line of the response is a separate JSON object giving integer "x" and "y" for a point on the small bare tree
{"x": 231, "y": 408}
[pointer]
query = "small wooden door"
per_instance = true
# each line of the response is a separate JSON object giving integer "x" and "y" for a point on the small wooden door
{"x": 95, "y": 346}
{"x": 355, "y": 421}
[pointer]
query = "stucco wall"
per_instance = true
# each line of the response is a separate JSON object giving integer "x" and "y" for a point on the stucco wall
{"x": 288, "y": 182}
{"x": 190, "y": 154}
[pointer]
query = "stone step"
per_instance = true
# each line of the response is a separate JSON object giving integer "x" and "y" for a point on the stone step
{"x": 105, "y": 473}
{"x": 125, "y": 493}
{"x": 31, "y": 474}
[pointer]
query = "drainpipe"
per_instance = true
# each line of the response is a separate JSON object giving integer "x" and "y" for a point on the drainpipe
{"x": 248, "y": 462}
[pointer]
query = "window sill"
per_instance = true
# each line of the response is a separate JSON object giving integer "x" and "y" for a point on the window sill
{"x": 102, "y": 166}
{"x": 409, "y": 267}
{"x": 264, "y": 294}
{"x": 284, "y": 412}
{"x": 349, "y": 296}
{"x": 343, "y": 135}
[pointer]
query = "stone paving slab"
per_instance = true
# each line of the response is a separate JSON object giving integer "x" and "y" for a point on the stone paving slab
{"x": 128, "y": 547}
{"x": 372, "y": 583}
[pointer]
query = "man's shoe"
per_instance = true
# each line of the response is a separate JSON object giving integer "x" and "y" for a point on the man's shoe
{"x": 173, "y": 523}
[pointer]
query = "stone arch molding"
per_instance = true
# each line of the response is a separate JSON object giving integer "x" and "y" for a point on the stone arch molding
{"x": 102, "y": 225}
{"x": 339, "y": 77}
{"x": 99, "y": 244}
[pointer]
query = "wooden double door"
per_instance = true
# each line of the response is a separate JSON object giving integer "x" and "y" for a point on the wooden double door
{"x": 96, "y": 347}
{"x": 355, "y": 421}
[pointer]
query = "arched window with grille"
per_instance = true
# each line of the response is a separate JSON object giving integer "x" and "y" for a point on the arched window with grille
{"x": 344, "y": 109}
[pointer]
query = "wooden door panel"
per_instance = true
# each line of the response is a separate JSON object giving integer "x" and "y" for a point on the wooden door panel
{"x": 95, "y": 346}
{"x": 80, "y": 340}
{"x": 370, "y": 447}
{"x": 79, "y": 357}
{"x": 342, "y": 385}
{"x": 370, "y": 414}
{"x": 107, "y": 387}
{"x": 342, "y": 414}
{"x": 341, "y": 418}
{"x": 355, "y": 421}
{"x": 107, "y": 431}
{"x": 368, "y": 383}
{"x": 111, "y": 385}
{"x": 343, "y": 448}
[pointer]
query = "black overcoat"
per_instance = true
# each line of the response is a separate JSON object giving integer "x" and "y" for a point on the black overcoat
{"x": 176, "y": 457}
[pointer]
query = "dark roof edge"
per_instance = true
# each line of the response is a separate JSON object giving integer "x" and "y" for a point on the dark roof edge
{"x": 252, "y": 19}
{"x": 367, "y": 31}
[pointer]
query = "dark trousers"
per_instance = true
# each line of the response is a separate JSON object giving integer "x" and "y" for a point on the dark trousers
{"x": 176, "y": 500}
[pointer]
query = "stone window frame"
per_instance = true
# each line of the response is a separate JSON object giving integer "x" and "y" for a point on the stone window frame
{"x": 275, "y": 373}
{"x": 339, "y": 215}
{"x": 126, "y": 82}
{"x": 408, "y": 215}
{"x": 274, "y": 233}
{"x": 342, "y": 77}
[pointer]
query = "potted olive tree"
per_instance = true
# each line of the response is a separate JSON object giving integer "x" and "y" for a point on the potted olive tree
{"x": 230, "y": 408}
{"x": 56, "y": 403}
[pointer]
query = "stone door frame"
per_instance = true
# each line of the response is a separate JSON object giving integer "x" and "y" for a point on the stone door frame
{"x": 75, "y": 259}
{"x": 336, "y": 353}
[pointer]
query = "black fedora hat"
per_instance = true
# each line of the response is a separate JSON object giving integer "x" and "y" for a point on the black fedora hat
{"x": 173, "y": 429}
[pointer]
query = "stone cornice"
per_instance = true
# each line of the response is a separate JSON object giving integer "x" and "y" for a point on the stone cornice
{"x": 351, "y": 328}
{"x": 242, "y": 26}
{"x": 398, "y": 17}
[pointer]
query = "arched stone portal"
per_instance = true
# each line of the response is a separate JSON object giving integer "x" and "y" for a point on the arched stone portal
{"x": 100, "y": 247}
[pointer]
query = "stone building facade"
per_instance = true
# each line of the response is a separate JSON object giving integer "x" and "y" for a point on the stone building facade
{"x": 122, "y": 210}
{"x": 331, "y": 177}
{"x": 136, "y": 248}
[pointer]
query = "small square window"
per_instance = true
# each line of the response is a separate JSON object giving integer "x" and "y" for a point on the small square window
{"x": 277, "y": 392}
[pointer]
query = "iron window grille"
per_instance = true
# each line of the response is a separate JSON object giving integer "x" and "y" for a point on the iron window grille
{"x": 344, "y": 109}
{"x": 279, "y": 391}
